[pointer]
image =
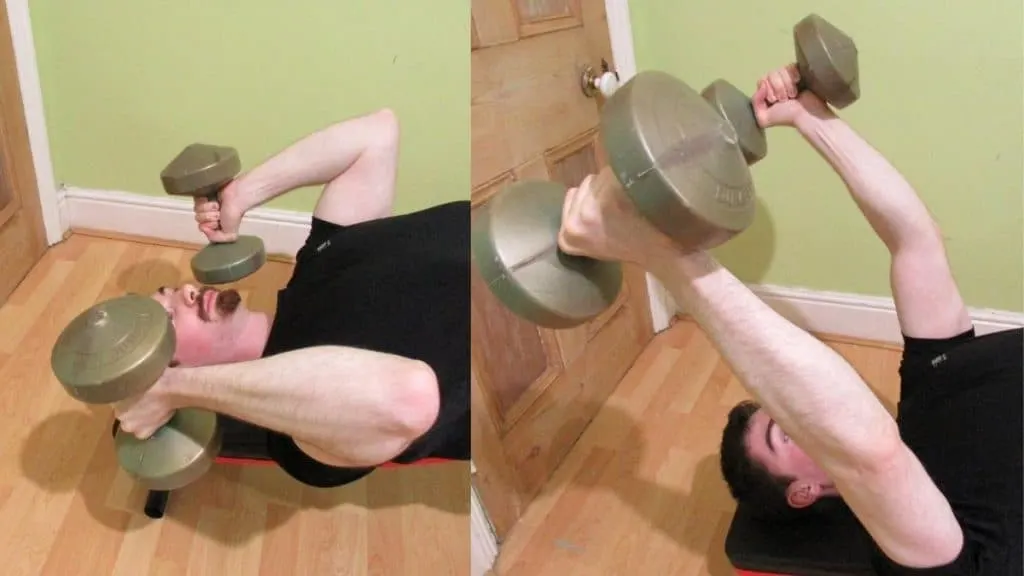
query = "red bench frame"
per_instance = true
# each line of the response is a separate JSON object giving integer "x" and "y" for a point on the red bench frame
{"x": 236, "y": 461}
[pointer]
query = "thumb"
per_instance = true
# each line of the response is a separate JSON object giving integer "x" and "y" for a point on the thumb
{"x": 229, "y": 223}
{"x": 222, "y": 236}
{"x": 216, "y": 234}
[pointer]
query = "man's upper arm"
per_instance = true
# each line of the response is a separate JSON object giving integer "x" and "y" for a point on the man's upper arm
{"x": 901, "y": 507}
{"x": 366, "y": 190}
{"x": 928, "y": 302}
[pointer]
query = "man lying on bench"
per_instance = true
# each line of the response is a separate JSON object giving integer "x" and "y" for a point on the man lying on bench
{"x": 366, "y": 358}
{"x": 938, "y": 489}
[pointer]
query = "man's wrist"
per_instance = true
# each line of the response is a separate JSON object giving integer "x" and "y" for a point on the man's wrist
{"x": 175, "y": 387}
{"x": 248, "y": 192}
{"x": 812, "y": 121}
{"x": 682, "y": 267}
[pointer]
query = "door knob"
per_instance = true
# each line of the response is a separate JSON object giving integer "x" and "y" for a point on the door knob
{"x": 605, "y": 82}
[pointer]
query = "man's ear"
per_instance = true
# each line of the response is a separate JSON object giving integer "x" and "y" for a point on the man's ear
{"x": 801, "y": 494}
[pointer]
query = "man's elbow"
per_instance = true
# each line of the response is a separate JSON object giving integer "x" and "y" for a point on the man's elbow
{"x": 387, "y": 128}
{"x": 882, "y": 450}
{"x": 418, "y": 400}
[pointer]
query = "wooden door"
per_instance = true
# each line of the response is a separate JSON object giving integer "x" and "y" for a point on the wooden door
{"x": 535, "y": 390}
{"x": 22, "y": 236}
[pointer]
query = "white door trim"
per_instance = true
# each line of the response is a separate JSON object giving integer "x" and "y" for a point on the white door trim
{"x": 483, "y": 542}
{"x": 620, "y": 32}
{"x": 35, "y": 117}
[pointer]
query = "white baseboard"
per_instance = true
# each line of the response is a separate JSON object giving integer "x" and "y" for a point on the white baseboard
{"x": 172, "y": 218}
{"x": 862, "y": 317}
{"x": 35, "y": 118}
{"x": 284, "y": 232}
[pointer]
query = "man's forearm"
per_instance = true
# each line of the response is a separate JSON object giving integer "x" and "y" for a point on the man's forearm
{"x": 315, "y": 160}
{"x": 358, "y": 406}
{"x": 887, "y": 200}
{"x": 811, "y": 391}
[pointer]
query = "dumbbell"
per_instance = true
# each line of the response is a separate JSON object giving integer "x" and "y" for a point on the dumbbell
{"x": 683, "y": 160}
{"x": 201, "y": 171}
{"x": 827, "y": 60}
{"x": 118, "y": 349}
{"x": 668, "y": 151}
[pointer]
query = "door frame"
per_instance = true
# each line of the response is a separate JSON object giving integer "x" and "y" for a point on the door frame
{"x": 54, "y": 222}
{"x": 620, "y": 33}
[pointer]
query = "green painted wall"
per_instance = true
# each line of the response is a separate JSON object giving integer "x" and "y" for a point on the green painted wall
{"x": 127, "y": 84}
{"x": 941, "y": 98}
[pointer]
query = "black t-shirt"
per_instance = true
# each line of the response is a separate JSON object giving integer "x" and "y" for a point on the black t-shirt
{"x": 398, "y": 285}
{"x": 960, "y": 413}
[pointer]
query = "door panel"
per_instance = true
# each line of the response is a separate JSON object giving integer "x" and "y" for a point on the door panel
{"x": 542, "y": 16}
{"x": 535, "y": 390}
{"x": 22, "y": 236}
{"x": 526, "y": 99}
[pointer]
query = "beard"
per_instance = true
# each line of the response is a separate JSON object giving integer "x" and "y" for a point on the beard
{"x": 226, "y": 302}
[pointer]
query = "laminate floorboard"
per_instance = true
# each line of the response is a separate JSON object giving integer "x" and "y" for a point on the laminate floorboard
{"x": 67, "y": 509}
{"x": 641, "y": 492}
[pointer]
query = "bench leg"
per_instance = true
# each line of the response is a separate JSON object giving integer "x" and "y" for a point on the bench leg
{"x": 156, "y": 503}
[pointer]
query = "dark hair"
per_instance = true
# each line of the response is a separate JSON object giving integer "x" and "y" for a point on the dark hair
{"x": 750, "y": 483}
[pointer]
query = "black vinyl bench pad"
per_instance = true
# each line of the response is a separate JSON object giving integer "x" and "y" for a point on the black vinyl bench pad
{"x": 832, "y": 545}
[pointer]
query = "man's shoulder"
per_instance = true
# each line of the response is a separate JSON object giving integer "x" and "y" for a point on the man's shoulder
{"x": 1003, "y": 345}
{"x": 447, "y": 221}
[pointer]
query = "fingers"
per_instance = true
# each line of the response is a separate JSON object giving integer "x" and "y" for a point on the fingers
{"x": 586, "y": 190}
{"x": 770, "y": 96}
{"x": 777, "y": 86}
{"x": 780, "y": 86}
{"x": 207, "y": 217}
{"x": 575, "y": 199}
{"x": 759, "y": 101}
{"x": 567, "y": 205}
{"x": 205, "y": 204}
{"x": 794, "y": 74}
{"x": 142, "y": 429}
{"x": 569, "y": 216}
{"x": 784, "y": 88}
{"x": 206, "y": 211}
{"x": 784, "y": 82}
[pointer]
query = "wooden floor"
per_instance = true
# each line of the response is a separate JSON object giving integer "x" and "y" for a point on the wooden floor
{"x": 66, "y": 508}
{"x": 641, "y": 492}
